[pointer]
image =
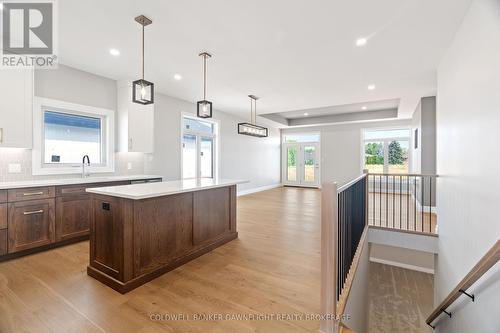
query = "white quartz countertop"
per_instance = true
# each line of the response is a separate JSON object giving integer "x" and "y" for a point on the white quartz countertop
{"x": 152, "y": 190}
{"x": 72, "y": 181}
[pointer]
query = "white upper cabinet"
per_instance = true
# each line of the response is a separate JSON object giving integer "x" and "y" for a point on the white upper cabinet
{"x": 16, "y": 103}
{"x": 135, "y": 122}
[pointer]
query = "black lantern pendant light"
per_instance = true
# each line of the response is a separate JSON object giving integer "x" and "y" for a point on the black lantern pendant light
{"x": 143, "y": 91}
{"x": 204, "y": 107}
{"x": 252, "y": 128}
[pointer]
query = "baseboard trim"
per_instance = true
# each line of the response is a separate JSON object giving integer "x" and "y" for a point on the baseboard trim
{"x": 258, "y": 189}
{"x": 401, "y": 265}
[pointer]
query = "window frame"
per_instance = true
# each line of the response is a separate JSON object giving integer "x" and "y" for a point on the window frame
{"x": 215, "y": 136}
{"x": 41, "y": 105}
{"x": 386, "y": 142}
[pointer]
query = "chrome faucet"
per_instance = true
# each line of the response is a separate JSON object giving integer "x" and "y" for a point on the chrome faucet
{"x": 85, "y": 173}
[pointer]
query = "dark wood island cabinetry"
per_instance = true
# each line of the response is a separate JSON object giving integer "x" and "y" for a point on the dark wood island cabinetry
{"x": 139, "y": 232}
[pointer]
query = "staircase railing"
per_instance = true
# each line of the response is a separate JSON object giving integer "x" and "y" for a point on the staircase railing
{"x": 485, "y": 263}
{"x": 344, "y": 228}
{"x": 404, "y": 202}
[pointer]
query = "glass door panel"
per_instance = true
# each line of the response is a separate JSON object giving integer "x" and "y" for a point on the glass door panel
{"x": 189, "y": 160}
{"x": 374, "y": 156}
{"x": 206, "y": 157}
{"x": 291, "y": 170}
{"x": 310, "y": 164}
{"x": 398, "y": 156}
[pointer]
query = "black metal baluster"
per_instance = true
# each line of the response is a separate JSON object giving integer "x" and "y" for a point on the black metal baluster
{"x": 407, "y": 201}
{"x": 400, "y": 202}
{"x": 386, "y": 201}
{"x": 393, "y": 201}
{"x": 415, "y": 203}
{"x": 430, "y": 204}
{"x": 422, "y": 204}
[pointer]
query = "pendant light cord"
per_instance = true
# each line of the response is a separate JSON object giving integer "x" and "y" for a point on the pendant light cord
{"x": 143, "y": 52}
{"x": 204, "y": 77}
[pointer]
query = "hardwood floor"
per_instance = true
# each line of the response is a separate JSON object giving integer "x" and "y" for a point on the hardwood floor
{"x": 272, "y": 268}
{"x": 400, "y": 300}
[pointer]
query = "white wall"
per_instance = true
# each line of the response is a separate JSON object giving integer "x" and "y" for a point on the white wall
{"x": 241, "y": 157}
{"x": 341, "y": 147}
{"x": 468, "y": 160}
{"x": 75, "y": 86}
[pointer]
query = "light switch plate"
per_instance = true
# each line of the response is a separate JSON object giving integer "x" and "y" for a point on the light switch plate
{"x": 14, "y": 168}
{"x": 129, "y": 166}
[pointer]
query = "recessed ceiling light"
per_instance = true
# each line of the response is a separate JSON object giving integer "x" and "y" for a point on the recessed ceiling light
{"x": 361, "y": 41}
{"x": 371, "y": 87}
{"x": 178, "y": 77}
{"x": 306, "y": 114}
{"x": 114, "y": 52}
{"x": 364, "y": 108}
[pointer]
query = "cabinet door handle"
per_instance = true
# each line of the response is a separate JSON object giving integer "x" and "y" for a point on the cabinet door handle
{"x": 32, "y": 193}
{"x": 34, "y": 212}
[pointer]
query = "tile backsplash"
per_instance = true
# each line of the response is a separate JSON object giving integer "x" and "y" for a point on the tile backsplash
{"x": 20, "y": 160}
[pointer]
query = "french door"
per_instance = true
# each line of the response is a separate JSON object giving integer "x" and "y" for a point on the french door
{"x": 301, "y": 163}
{"x": 198, "y": 154}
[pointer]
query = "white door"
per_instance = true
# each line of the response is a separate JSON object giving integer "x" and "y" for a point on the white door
{"x": 301, "y": 164}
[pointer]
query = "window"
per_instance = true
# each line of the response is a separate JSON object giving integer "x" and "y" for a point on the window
{"x": 68, "y": 137}
{"x": 64, "y": 132}
{"x": 198, "y": 148}
{"x": 386, "y": 151}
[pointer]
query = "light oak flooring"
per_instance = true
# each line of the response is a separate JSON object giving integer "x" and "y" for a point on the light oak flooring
{"x": 400, "y": 300}
{"x": 273, "y": 268}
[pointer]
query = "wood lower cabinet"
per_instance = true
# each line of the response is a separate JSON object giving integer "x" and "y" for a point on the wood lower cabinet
{"x": 3, "y": 216}
{"x": 3, "y": 242}
{"x": 31, "y": 224}
{"x": 72, "y": 216}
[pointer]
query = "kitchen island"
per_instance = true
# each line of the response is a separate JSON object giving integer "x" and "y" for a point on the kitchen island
{"x": 139, "y": 232}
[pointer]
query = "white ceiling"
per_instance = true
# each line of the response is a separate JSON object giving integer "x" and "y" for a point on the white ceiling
{"x": 294, "y": 54}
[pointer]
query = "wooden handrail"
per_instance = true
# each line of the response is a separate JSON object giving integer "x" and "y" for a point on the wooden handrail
{"x": 345, "y": 329}
{"x": 403, "y": 174}
{"x": 349, "y": 184}
{"x": 486, "y": 262}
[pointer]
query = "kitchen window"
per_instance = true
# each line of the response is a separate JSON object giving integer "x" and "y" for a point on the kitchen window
{"x": 199, "y": 148}
{"x": 386, "y": 150}
{"x": 65, "y": 132}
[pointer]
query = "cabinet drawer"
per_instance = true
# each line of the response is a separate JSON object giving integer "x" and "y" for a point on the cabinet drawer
{"x": 31, "y": 224}
{"x": 3, "y": 242}
{"x": 3, "y": 216}
{"x": 3, "y": 196}
{"x": 32, "y": 193}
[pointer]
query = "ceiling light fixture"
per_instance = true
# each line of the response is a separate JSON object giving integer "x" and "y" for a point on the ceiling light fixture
{"x": 142, "y": 90}
{"x": 364, "y": 108}
{"x": 252, "y": 128}
{"x": 371, "y": 87}
{"x": 361, "y": 41}
{"x": 204, "y": 107}
{"x": 114, "y": 52}
{"x": 178, "y": 77}
{"x": 306, "y": 114}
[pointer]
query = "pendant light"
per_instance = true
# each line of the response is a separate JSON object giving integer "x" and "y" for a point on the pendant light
{"x": 204, "y": 107}
{"x": 142, "y": 90}
{"x": 252, "y": 128}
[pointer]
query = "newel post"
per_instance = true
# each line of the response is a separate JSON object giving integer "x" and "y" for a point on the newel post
{"x": 367, "y": 184}
{"x": 329, "y": 274}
